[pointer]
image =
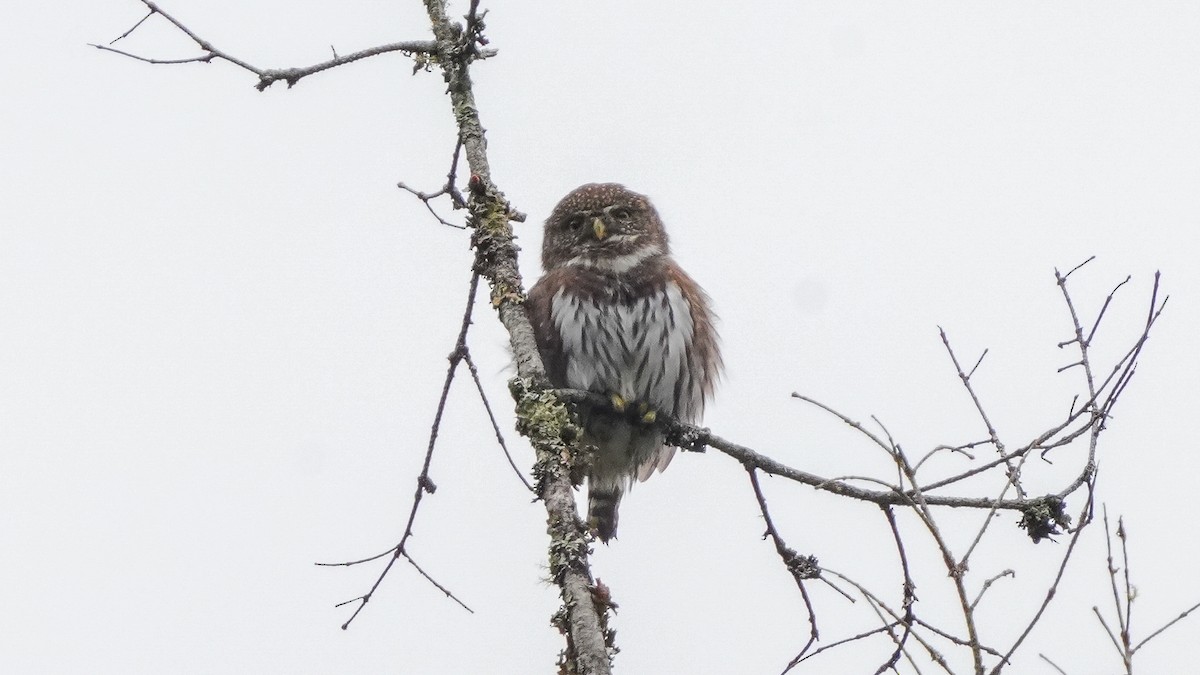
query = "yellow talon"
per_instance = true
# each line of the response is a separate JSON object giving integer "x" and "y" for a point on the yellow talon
{"x": 648, "y": 414}
{"x": 618, "y": 403}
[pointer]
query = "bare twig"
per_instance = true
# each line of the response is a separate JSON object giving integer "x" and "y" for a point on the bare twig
{"x": 266, "y": 76}
{"x": 887, "y": 447}
{"x": 800, "y": 658}
{"x": 425, "y": 484}
{"x": 427, "y": 197}
{"x": 126, "y": 34}
{"x": 988, "y": 584}
{"x": 1111, "y": 636}
{"x": 1013, "y": 476}
{"x": 1053, "y": 589}
{"x": 895, "y": 619}
{"x": 492, "y": 418}
{"x": 1052, "y": 664}
{"x": 449, "y": 189}
{"x": 1183, "y": 615}
{"x": 955, "y": 569}
{"x": 960, "y": 449}
{"x": 800, "y": 567}
{"x": 1079, "y": 340}
{"x": 988, "y": 519}
{"x": 1077, "y": 267}
{"x": 1123, "y": 611}
{"x": 1104, "y": 308}
{"x": 952, "y": 638}
{"x": 910, "y": 597}
{"x": 1123, "y": 597}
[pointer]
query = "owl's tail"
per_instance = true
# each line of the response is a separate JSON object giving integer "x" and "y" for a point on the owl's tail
{"x": 602, "y": 510}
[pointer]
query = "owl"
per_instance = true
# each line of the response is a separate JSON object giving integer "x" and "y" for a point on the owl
{"x": 614, "y": 314}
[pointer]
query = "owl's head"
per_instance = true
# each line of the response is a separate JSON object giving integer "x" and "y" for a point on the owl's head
{"x": 602, "y": 224}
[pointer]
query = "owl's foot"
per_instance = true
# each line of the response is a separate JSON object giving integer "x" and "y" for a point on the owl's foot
{"x": 596, "y": 528}
{"x": 618, "y": 403}
{"x": 638, "y": 412}
{"x": 646, "y": 414}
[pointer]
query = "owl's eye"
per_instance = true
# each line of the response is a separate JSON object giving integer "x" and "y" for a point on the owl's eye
{"x": 621, "y": 213}
{"x": 575, "y": 222}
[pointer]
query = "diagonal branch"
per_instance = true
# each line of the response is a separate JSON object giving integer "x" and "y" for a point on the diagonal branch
{"x": 1053, "y": 589}
{"x": 487, "y": 406}
{"x": 801, "y": 567}
{"x": 1183, "y": 615}
{"x": 1013, "y": 474}
{"x": 425, "y": 484}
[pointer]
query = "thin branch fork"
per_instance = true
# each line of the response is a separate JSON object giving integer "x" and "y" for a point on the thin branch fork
{"x": 800, "y": 567}
{"x": 955, "y": 569}
{"x": 450, "y": 189}
{"x": 1013, "y": 473}
{"x": 910, "y": 597}
{"x": 890, "y": 622}
{"x": 1122, "y": 638}
{"x": 1053, "y": 590}
{"x": 425, "y": 484}
{"x": 266, "y": 76}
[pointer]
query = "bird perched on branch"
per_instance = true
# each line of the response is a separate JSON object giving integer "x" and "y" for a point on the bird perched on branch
{"x": 615, "y": 315}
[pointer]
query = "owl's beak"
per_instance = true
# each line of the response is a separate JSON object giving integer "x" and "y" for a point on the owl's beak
{"x": 598, "y": 228}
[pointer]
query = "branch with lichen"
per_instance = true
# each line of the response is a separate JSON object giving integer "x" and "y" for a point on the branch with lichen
{"x": 542, "y": 418}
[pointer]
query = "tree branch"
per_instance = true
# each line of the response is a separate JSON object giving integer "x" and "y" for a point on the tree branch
{"x": 266, "y": 76}
{"x": 800, "y": 567}
{"x": 541, "y": 416}
{"x": 695, "y": 439}
{"x": 425, "y": 484}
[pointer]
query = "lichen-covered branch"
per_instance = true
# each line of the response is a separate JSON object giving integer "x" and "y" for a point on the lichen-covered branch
{"x": 543, "y": 418}
{"x": 694, "y": 438}
{"x": 541, "y": 415}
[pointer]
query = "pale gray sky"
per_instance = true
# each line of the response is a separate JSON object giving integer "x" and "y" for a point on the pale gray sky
{"x": 225, "y": 329}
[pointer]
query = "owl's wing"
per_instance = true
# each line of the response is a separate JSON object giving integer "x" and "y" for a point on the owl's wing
{"x": 549, "y": 340}
{"x": 702, "y": 366}
{"x": 704, "y": 353}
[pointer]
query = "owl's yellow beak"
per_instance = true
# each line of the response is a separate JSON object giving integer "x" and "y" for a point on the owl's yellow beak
{"x": 598, "y": 228}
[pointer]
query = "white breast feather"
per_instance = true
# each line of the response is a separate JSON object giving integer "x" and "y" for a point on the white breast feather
{"x": 637, "y": 350}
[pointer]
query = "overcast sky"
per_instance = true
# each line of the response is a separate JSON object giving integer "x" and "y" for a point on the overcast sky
{"x": 224, "y": 328}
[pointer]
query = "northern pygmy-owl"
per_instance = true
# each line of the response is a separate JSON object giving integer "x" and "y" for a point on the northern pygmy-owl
{"x": 615, "y": 315}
